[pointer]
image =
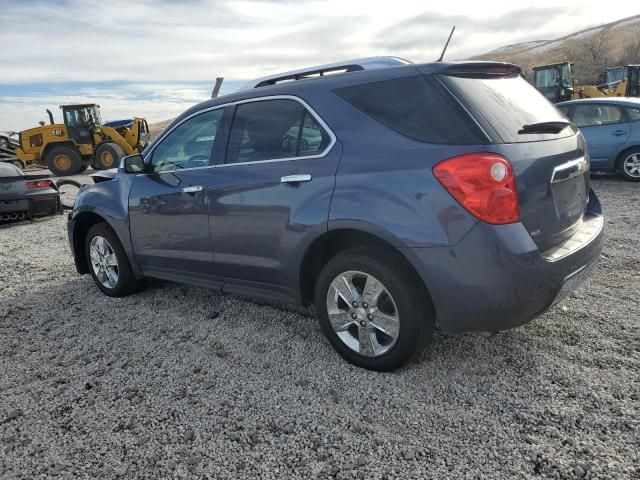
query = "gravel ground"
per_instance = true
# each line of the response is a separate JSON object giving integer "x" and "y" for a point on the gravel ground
{"x": 180, "y": 382}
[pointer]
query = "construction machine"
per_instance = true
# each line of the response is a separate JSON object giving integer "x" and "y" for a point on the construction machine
{"x": 83, "y": 139}
{"x": 624, "y": 79}
{"x": 555, "y": 81}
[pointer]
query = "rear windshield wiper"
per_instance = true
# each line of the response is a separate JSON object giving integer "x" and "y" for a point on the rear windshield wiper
{"x": 555, "y": 126}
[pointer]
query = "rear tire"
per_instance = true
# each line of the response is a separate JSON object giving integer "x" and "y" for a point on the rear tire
{"x": 108, "y": 262}
{"x": 63, "y": 161}
{"x": 107, "y": 155}
{"x": 629, "y": 164}
{"x": 386, "y": 331}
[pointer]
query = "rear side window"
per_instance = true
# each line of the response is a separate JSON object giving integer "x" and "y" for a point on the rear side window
{"x": 413, "y": 107}
{"x": 273, "y": 129}
{"x": 506, "y": 104}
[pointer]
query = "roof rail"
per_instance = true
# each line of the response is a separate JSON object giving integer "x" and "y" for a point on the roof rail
{"x": 369, "y": 63}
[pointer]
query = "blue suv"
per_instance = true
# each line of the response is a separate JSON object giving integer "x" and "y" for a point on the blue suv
{"x": 396, "y": 197}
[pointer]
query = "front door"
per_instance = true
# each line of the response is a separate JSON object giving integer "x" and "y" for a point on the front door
{"x": 272, "y": 196}
{"x": 168, "y": 209}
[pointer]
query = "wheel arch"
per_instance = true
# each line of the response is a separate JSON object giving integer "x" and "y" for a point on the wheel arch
{"x": 82, "y": 223}
{"x": 49, "y": 145}
{"x": 620, "y": 155}
{"x": 332, "y": 242}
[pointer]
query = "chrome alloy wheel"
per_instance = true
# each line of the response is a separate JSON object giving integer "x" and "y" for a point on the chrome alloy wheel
{"x": 631, "y": 165}
{"x": 363, "y": 313}
{"x": 103, "y": 262}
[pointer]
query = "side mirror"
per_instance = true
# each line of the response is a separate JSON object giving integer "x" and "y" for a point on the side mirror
{"x": 133, "y": 164}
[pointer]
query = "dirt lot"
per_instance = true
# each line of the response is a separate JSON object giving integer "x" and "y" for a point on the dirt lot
{"x": 180, "y": 382}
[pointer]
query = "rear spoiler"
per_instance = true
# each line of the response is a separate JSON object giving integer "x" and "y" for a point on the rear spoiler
{"x": 27, "y": 177}
{"x": 472, "y": 69}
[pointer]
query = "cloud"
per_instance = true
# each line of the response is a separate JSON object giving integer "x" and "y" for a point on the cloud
{"x": 432, "y": 29}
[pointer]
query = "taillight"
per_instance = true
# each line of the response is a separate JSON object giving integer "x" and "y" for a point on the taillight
{"x": 41, "y": 184}
{"x": 484, "y": 184}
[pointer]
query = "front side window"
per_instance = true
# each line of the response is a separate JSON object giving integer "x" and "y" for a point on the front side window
{"x": 592, "y": 115}
{"x": 547, "y": 78}
{"x": 189, "y": 145}
{"x": 274, "y": 129}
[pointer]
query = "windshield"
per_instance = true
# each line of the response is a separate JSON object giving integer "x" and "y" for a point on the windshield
{"x": 82, "y": 116}
{"x": 506, "y": 105}
{"x": 546, "y": 78}
{"x": 553, "y": 76}
{"x": 615, "y": 75}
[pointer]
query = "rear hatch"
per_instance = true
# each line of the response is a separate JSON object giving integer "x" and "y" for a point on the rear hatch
{"x": 547, "y": 153}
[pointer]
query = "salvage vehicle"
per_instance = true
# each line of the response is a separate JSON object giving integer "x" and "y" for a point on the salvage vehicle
{"x": 69, "y": 148}
{"x": 26, "y": 196}
{"x": 445, "y": 195}
{"x": 611, "y": 128}
{"x": 9, "y": 141}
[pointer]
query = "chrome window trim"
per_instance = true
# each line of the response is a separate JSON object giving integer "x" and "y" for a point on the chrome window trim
{"x": 315, "y": 115}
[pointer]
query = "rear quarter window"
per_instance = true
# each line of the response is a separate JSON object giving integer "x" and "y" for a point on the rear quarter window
{"x": 415, "y": 108}
{"x": 634, "y": 113}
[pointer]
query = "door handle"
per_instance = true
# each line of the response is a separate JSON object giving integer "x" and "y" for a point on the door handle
{"x": 193, "y": 189}
{"x": 617, "y": 133}
{"x": 305, "y": 177}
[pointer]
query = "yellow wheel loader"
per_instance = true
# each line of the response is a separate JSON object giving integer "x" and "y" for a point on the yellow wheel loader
{"x": 82, "y": 140}
{"x": 555, "y": 81}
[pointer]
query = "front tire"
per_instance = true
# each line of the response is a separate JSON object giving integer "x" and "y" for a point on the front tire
{"x": 629, "y": 165}
{"x": 107, "y": 155}
{"x": 373, "y": 308}
{"x": 108, "y": 262}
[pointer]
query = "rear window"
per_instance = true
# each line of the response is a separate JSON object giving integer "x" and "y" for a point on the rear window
{"x": 413, "y": 107}
{"x": 506, "y": 104}
{"x": 8, "y": 170}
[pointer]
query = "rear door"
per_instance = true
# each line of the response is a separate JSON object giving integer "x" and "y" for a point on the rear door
{"x": 168, "y": 210}
{"x": 272, "y": 196}
{"x": 552, "y": 174}
{"x": 605, "y": 129}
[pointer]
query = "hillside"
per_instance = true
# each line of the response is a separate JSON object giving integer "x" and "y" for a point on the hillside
{"x": 591, "y": 49}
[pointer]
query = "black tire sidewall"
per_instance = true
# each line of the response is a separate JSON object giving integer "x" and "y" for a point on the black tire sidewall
{"x": 116, "y": 152}
{"x": 126, "y": 281}
{"x": 408, "y": 297}
{"x": 61, "y": 183}
{"x": 621, "y": 170}
{"x": 74, "y": 156}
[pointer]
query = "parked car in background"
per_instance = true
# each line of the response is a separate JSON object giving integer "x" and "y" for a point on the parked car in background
{"x": 9, "y": 141}
{"x": 26, "y": 196}
{"x": 395, "y": 197}
{"x": 611, "y": 128}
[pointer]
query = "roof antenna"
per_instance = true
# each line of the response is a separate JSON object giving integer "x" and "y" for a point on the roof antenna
{"x": 216, "y": 87}
{"x": 446, "y": 44}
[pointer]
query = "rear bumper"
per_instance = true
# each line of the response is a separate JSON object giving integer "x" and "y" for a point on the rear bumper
{"x": 496, "y": 278}
{"x": 29, "y": 207}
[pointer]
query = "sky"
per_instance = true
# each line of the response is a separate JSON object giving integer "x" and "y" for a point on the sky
{"x": 155, "y": 58}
